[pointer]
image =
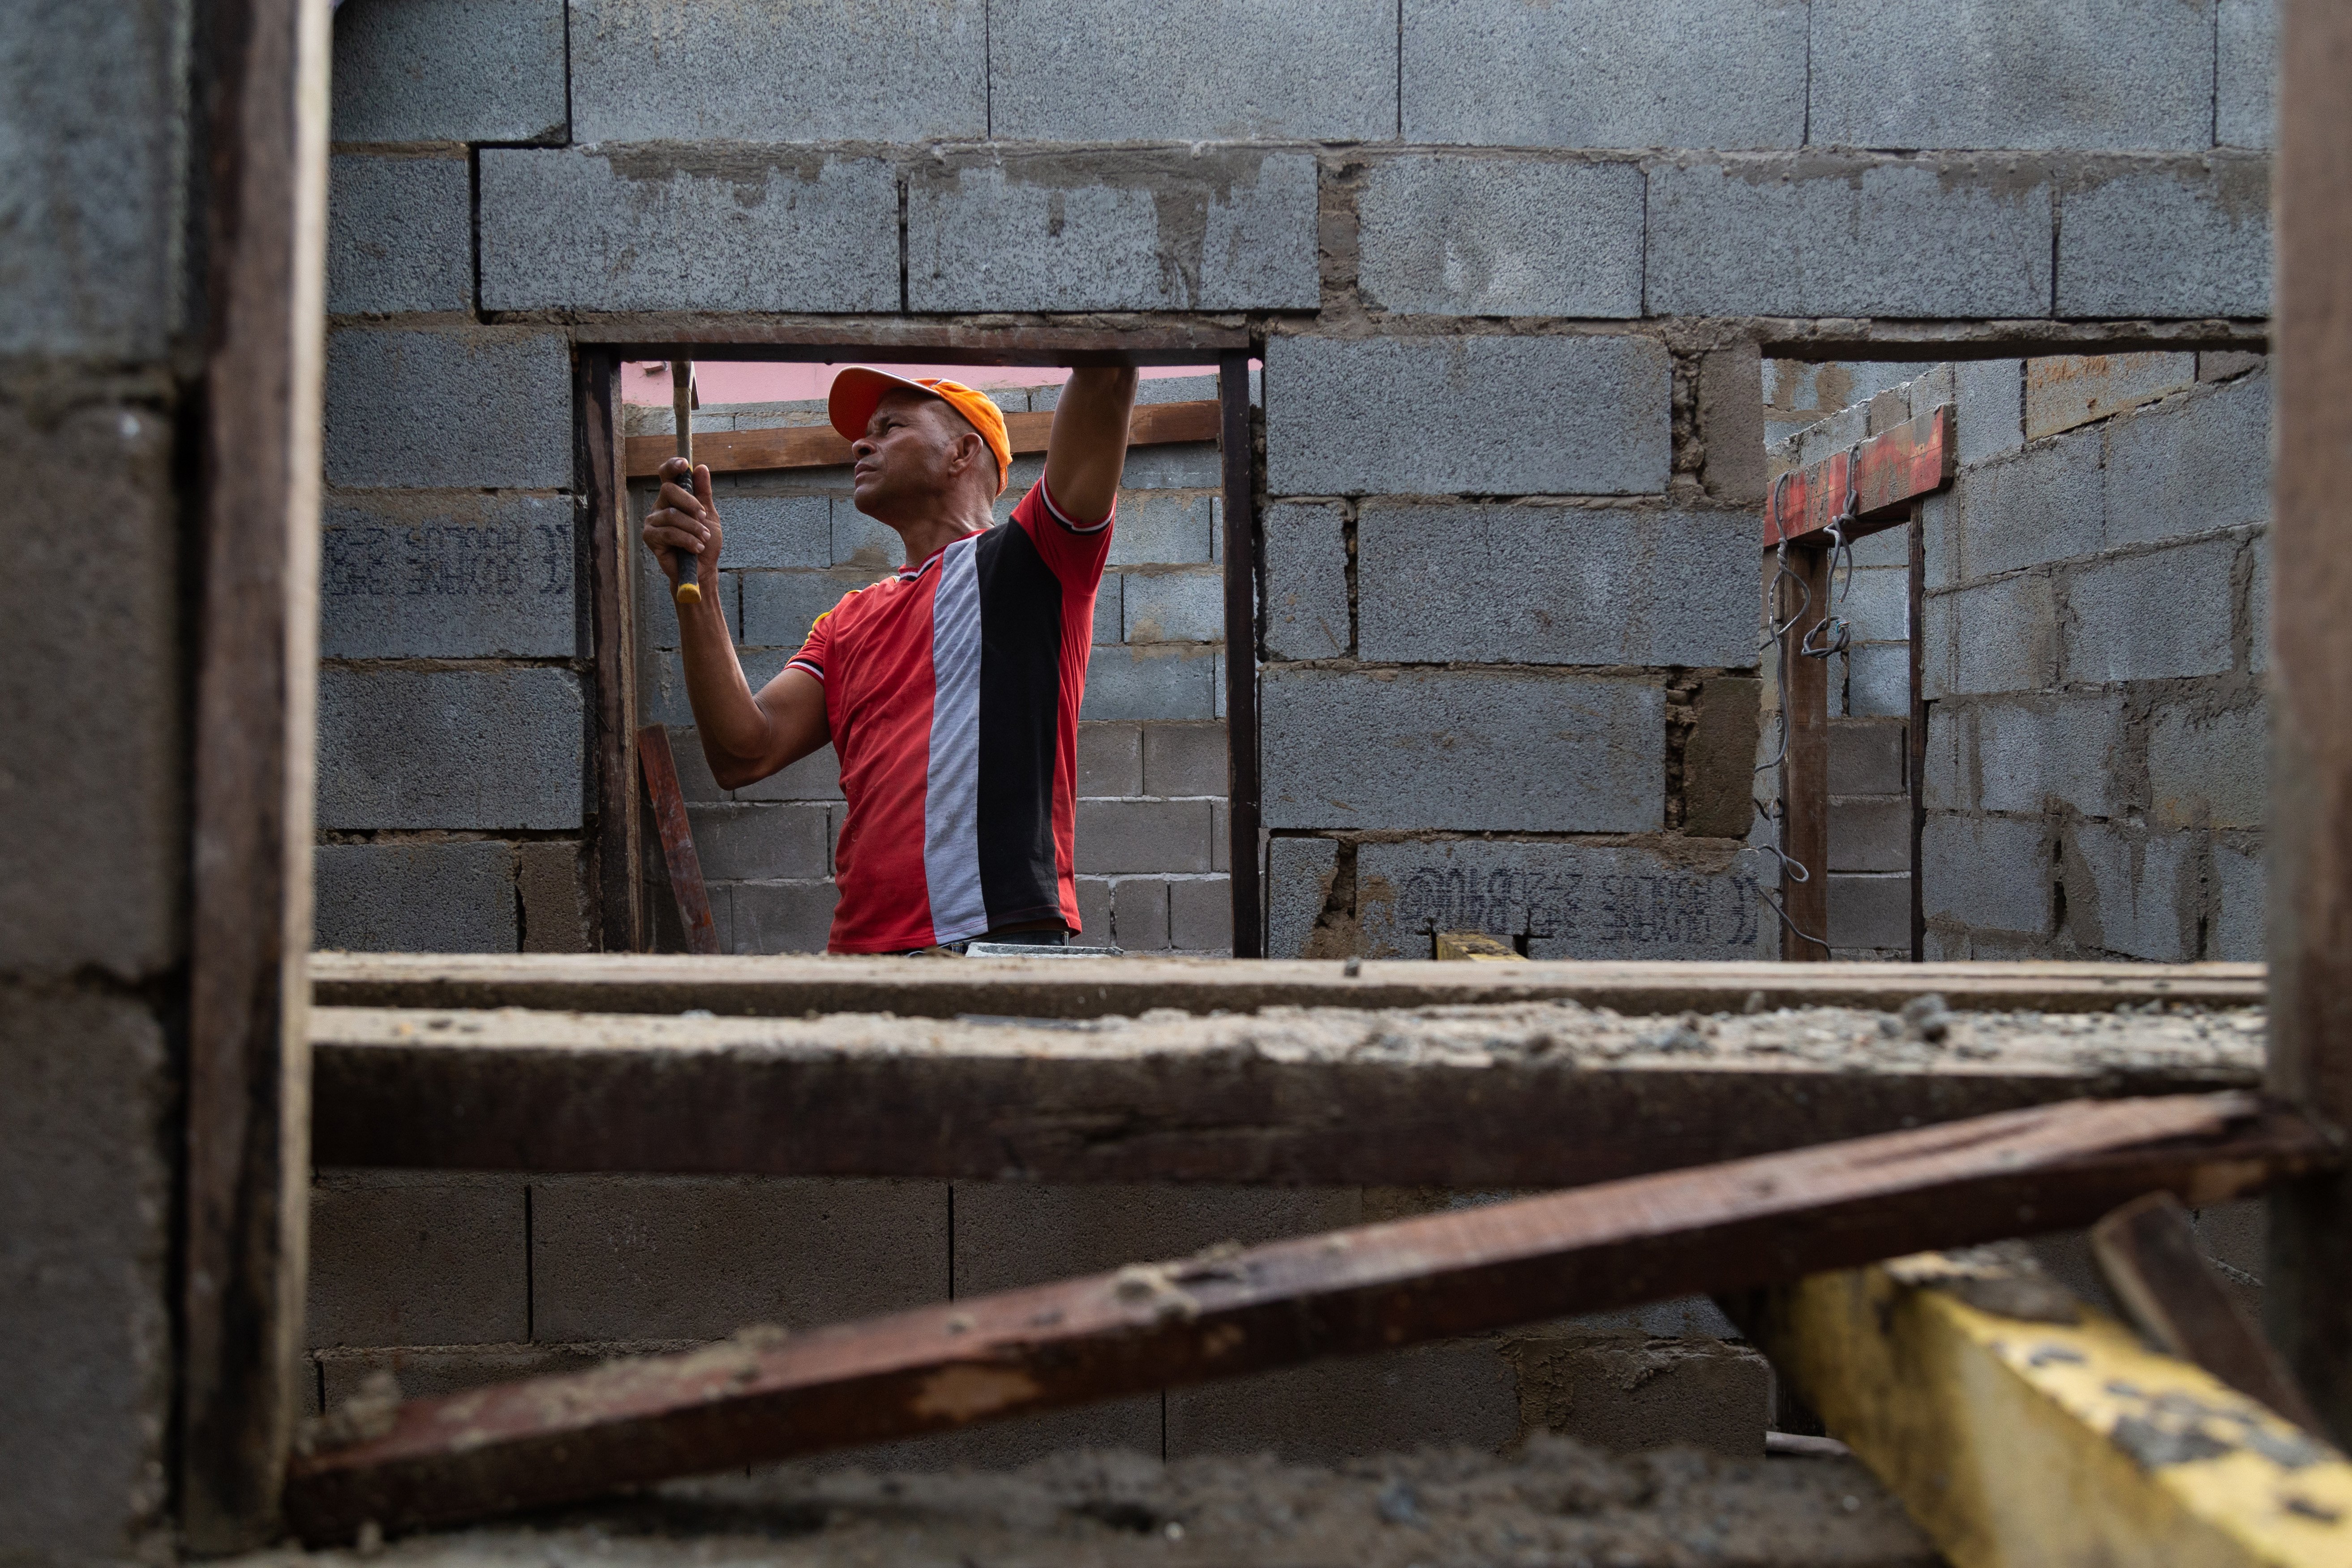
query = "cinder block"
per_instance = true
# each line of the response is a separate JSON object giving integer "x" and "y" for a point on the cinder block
{"x": 2144, "y": 897}
{"x": 1570, "y": 900}
{"x": 1184, "y": 760}
{"x": 780, "y": 608}
{"x": 1487, "y": 416}
{"x": 1878, "y": 681}
{"x": 816, "y": 776}
{"x": 93, "y": 838}
{"x": 1165, "y": 680}
{"x": 1985, "y": 872}
{"x": 416, "y": 897}
{"x": 2040, "y": 754}
{"x": 1094, "y": 909}
{"x": 448, "y": 576}
{"x": 2011, "y": 73}
{"x": 1870, "y": 910}
{"x": 1316, "y": 73}
{"x": 1110, "y": 759}
{"x": 657, "y": 612}
{"x": 1877, "y": 601}
{"x": 2239, "y": 911}
{"x": 2190, "y": 464}
{"x": 2228, "y": 365}
{"x": 2245, "y": 110}
{"x": 91, "y": 1141}
{"x": 1642, "y": 75}
{"x": 1456, "y": 749}
{"x": 1988, "y": 416}
{"x": 1942, "y": 236}
{"x": 2008, "y": 636}
{"x": 2258, "y": 607}
{"x": 400, "y": 234}
{"x": 1011, "y": 1233}
{"x": 97, "y": 186}
{"x": 759, "y": 843}
{"x": 1731, "y": 423}
{"x": 831, "y": 70}
{"x": 2046, "y": 504}
{"x": 1870, "y": 833}
{"x": 2208, "y": 768}
{"x": 1206, "y": 231}
{"x": 782, "y": 917}
{"x": 1110, "y": 597}
{"x": 550, "y": 879}
{"x": 618, "y": 1257}
{"x": 1719, "y": 759}
{"x": 450, "y": 70}
{"x": 470, "y": 408}
{"x": 1305, "y": 581}
{"x": 867, "y": 543}
{"x": 635, "y": 229}
{"x": 2187, "y": 239}
{"x": 1158, "y": 528}
{"x": 1120, "y": 836}
{"x": 402, "y": 1257}
{"x": 1866, "y": 759}
{"x": 477, "y": 748}
{"x": 1139, "y": 913}
{"x": 1449, "y": 235}
{"x": 1201, "y": 914}
{"x": 1174, "y": 606}
{"x": 1298, "y": 873}
{"x": 2148, "y": 617}
{"x": 2062, "y": 391}
{"x": 776, "y": 530}
{"x": 1532, "y": 585}
{"x": 1458, "y": 1393}
{"x": 1628, "y": 1393}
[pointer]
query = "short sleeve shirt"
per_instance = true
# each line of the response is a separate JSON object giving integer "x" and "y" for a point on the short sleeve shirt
{"x": 952, "y": 692}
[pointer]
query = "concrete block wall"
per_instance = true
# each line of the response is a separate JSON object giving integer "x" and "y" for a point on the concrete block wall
{"x": 1151, "y": 833}
{"x": 2095, "y": 658}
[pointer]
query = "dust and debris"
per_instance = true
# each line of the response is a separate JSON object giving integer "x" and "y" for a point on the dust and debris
{"x": 370, "y": 1413}
{"x": 1553, "y": 1502}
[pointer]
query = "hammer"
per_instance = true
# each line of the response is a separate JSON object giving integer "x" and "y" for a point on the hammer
{"x": 681, "y": 402}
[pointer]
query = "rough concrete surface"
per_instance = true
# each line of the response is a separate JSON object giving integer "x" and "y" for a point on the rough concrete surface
{"x": 459, "y": 748}
{"x": 416, "y": 897}
{"x": 1484, "y": 236}
{"x": 466, "y": 408}
{"x": 1566, "y": 901}
{"x": 1305, "y": 581}
{"x": 399, "y": 234}
{"x": 448, "y": 576}
{"x": 449, "y": 70}
{"x": 2163, "y": 241}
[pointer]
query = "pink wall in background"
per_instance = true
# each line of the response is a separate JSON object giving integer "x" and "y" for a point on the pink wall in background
{"x": 772, "y": 381}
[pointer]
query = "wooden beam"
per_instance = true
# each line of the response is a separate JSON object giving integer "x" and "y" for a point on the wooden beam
{"x": 1106, "y": 339}
{"x": 2148, "y": 1255}
{"x": 1805, "y": 769}
{"x": 1557, "y": 1099}
{"x": 748, "y": 986}
{"x": 2021, "y": 1429}
{"x": 821, "y": 447}
{"x": 678, "y": 855}
{"x": 263, "y": 65}
{"x": 765, "y": 1396}
{"x": 1237, "y": 444}
{"x": 618, "y": 850}
{"x": 2308, "y": 1299}
{"x": 1889, "y": 471}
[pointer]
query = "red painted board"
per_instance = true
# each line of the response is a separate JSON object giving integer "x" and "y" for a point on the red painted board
{"x": 677, "y": 841}
{"x": 1890, "y": 470}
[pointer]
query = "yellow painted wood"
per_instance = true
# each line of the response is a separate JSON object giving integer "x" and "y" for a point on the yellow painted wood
{"x": 1477, "y": 947}
{"x": 2025, "y": 1444}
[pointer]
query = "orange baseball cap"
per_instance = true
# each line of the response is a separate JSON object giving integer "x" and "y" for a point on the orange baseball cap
{"x": 857, "y": 389}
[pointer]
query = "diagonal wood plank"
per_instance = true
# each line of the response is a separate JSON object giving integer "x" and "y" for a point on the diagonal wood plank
{"x": 767, "y": 1396}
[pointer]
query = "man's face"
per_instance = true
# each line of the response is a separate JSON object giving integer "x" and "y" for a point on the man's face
{"x": 905, "y": 463}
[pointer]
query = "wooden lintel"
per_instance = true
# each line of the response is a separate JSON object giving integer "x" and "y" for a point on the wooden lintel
{"x": 767, "y": 1396}
{"x": 1889, "y": 471}
{"x": 821, "y": 447}
{"x": 1557, "y": 1099}
{"x": 749, "y": 986}
{"x": 2020, "y": 1428}
{"x": 1137, "y": 340}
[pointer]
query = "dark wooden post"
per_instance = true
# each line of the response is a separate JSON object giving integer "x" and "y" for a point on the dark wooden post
{"x": 1241, "y": 653}
{"x": 2309, "y": 1298}
{"x": 1805, "y": 772}
{"x": 264, "y": 70}
{"x": 607, "y": 547}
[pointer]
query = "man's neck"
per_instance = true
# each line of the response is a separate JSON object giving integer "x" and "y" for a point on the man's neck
{"x": 926, "y": 537}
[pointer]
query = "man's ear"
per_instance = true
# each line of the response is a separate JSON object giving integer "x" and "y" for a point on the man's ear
{"x": 968, "y": 448}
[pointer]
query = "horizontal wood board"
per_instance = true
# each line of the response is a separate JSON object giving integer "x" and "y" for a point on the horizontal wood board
{"x": 821, "y": 447}
{"x": 1890, "y": 470}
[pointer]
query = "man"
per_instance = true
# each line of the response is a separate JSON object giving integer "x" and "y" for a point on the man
{"x": 951, "y": 689}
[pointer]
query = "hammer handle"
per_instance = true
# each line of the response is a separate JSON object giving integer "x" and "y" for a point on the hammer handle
{"x": 681, "y": 402}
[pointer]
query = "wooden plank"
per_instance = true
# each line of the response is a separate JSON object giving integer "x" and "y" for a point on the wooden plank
{"x": 1558, "y": 1098}
{"x": 677, "y": 841}
{"x": 1890, "y": 470}
{"x": 2021, "y": 1429}
{"x": 1805, "y": 769}
{"x": 821, "y": 447}
{"x": 2309, "y": 1276}
{"x": 617, "y": 849}
{"x": 2148, "y": 1254}
{"x": 781, "y": 987}
{"x": 1475, "y": 947}
{"x": 764, "y": 1396}
{"x": 895, "y": 339}
{"x": 1237, "y": 442}
{"x": 263, "y": 64}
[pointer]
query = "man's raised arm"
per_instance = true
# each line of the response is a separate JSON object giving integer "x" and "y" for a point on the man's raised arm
{"x": 1088, "y": 452}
